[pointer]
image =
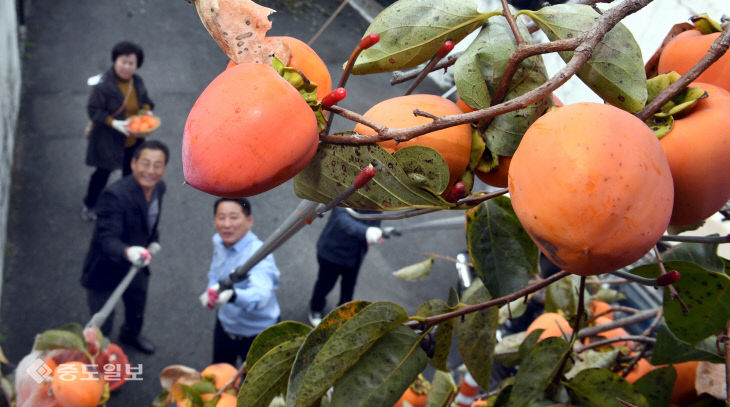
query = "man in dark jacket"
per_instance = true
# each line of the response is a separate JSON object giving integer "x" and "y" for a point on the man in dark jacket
{"x": 126, "y": 226}
{"x": 340, "y": 251}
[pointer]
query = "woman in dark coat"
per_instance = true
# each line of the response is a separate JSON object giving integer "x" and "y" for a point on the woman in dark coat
{"x": 110, "y": 146}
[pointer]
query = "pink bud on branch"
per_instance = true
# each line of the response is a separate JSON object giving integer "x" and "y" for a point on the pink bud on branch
{"x": 364, "y": 176}
{"x": 334, "y": 97}
{"x": 369, "y": 41}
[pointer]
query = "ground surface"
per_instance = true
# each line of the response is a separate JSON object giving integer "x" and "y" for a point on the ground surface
{"x": 71, "y": 41}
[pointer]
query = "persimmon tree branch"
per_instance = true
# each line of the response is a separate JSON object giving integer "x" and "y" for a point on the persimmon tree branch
{"x": 718, "y": 49}
{"x": 436, "y": 319}
{"x": 619, "y": 323}
{"x": 588, "y": 42}
{"x": 608, "y": 341}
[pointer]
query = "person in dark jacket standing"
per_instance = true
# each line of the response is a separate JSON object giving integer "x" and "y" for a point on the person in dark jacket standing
{"x": 341, "y": 249}
{"x": 120, "y": 94}
{"x": 126, "y": 227}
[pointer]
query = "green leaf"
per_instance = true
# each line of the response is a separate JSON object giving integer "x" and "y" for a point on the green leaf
{"x": 340, "y": 352}
{"x": 306, "y": 88}
{"x": 529, "y": 343}
{"x": 476, "y": 336}
{"x": 507, "y": 350}
{"x": 275, "y": 335}
{"x": 654, "y": 384}
{"x": 412, "y": 32}
{"x": 444, "y": 331}
{"x": 415, "y": 272}
{"x": 502, "y": 252}
{"x": 384, "y": 372}
{"x": 442, "y": 389}
{"x": 334, "y": 167}
{"x": 537, "y": 370}
{"x": 478, "y": 147}
{"x": 478, "y": 72}
{"x": 670, "y": 349}
{"x": 662, "y": 121}
{"x": 268, "y": 376}
{"x": 592, "y": 359}
{"x": 615, "y": 71}
{"x": 69, "y": 336}
{"x": 563, "y": 295}
{"x": 602, "y": 388}
{"x": 707, "y": 296}
{"x": 703, "y": 254}
{"x": 425, "y": 167}
{"x": 318, "y": 337}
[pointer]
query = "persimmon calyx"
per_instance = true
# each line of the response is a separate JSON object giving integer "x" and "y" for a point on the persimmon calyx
{"x": 706, "y": 25}
{"x": 306, "y": 88}
{"x": 662, "y": 121}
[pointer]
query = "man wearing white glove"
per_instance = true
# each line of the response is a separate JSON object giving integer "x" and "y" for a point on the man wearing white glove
{"x": 126, "y": 235}
{"x": 251, "y": 305}
{"x": 341, "y": 249}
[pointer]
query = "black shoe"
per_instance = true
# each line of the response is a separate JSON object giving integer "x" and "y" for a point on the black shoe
{"x": 142, "y": 344}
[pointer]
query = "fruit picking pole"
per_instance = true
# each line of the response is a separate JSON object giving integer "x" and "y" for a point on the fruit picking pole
{"x": 100, "y": 316}
{"x": 305, "y": 212}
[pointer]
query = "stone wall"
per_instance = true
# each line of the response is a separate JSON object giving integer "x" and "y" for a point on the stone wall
{"x": 10, "y": 78}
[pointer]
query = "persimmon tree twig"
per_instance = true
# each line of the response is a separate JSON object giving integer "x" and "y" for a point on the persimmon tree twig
{"x": 696, "y": 239}
{"x": 580, "y": 313}
{"x": 512, "y": 22}
{"x": 434, "y": 320}
{"x": 403, "y": 76}
{"x": 619, "y": 323}
{"x": 608, "y": 341}
{"x": 582, "y": 53}
{"x": 672, "y": 290}
{"x": 231, "y": 382}
{"x": 718, "y": 49}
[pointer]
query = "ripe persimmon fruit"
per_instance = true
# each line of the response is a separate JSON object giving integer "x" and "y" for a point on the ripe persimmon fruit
{"x": 599, "y": 307}
{"x": 698, "y": 150}
{"x": 306, "y": 60}
{"x": 498, "y": 176}
{"x": 453, "y": 143}
{"x": 684, "y": 391}
{"x": 413, "y": 398}
{"x": 76, "y": 385}
{"x": 220, "y": 372}
{"x": 611, "y": 333}
{"x": 641, "y": 368}
{"x": 591, "y": 185}
{"x": 249, "y": 131}
{"x": 553, "y": 324}
{"x": 686, "y": 49}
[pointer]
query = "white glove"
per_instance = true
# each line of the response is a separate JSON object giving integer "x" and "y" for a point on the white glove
{"x": 121, "y": 126}
{"x": 138, "y": 256}
{"x": 154, "y": 248}
{"x": 374, "y": 235}
{"x": 211, "y": 298}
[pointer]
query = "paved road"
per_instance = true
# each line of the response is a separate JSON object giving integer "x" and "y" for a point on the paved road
{"x": 47, "y": 241}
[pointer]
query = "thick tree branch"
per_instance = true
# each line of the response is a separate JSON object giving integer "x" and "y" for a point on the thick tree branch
{"x": 581, "y": 55}
{"x": 718, "y": 49}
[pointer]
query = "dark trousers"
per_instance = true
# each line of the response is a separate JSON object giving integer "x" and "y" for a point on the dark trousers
{"x": 134, "y": 299}
{"x": 228, "y": 348}
{"x": 326, "y": 278}
{"x": 100, "y": 177}
{"x": 96, "y": 184}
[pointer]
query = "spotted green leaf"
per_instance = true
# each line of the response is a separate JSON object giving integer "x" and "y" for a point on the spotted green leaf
{"x": 537, "y": 371}
{"x": 424, "y": 167}
{"x": 615, "y": 71}
{"x": 412, "y": 31}
{"x": 340, "y": 351}
{"x": 273, "y": 336}
{"x": 669, "y": 349}
{"x": 502, "y": 252}
{"x": 602, "y": 388}
{"x": 442, "y": 391}
{"x": 268, "y": 376}
{"x": 382, "y": 374}
{"x": 444, "y": 331}
{"x": 478, "y": 72}
{"x": 334, "y": 167}
{"x": 476, "y": 336}
{"x": 654, "y": 384}
{"x": 69, "y": 336}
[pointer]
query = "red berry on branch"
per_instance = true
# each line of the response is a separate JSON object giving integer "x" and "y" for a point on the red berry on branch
{"x": 446, "y": 48}
{"x": 457, "y": 191}
{"x": 369, "y": 41}
{"x": 334, "y": 97}
{"x": 670, "y": 277}
{"x": 364, "y": 176}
